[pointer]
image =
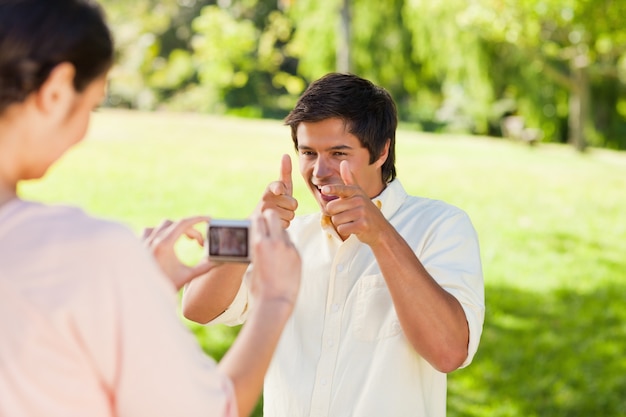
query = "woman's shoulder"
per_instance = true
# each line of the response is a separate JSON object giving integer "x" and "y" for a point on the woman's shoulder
{"x": 64, "y": 225}
{"x": 44, "y": 246}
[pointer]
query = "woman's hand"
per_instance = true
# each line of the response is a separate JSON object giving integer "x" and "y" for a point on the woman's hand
{"x": 277, "y": 264}
{"x": 161, "y": 240}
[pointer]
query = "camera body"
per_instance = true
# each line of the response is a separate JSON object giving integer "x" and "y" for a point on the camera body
{"x": 229, "y": 240}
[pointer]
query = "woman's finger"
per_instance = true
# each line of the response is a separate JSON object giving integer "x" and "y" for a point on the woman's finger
{"x": 274, "y": 225}
{"x": 174, "y": 230}
{"x": 195, "y": 234}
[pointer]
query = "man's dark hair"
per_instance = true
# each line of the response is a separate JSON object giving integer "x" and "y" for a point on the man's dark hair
{"x": 367, "y": 110}
{"x": 37, "y": 35}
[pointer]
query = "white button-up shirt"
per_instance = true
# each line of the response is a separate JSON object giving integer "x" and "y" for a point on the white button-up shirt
{"x": 343, "y": 352}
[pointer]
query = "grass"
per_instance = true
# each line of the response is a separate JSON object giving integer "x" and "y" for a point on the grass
{"x": 551, "y": 223}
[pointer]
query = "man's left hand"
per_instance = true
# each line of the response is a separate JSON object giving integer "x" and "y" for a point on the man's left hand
{"x": 353, "y": 212}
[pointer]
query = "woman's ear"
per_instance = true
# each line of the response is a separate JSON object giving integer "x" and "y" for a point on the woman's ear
{"x": 56, "y": 95}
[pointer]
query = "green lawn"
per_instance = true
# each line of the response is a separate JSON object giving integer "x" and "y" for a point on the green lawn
{"x": 551, "y": 222}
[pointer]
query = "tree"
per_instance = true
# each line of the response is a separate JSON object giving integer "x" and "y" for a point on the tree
{"x": 561, "y": 48}
{"x": 203, "y": 55}
{"x": 376, "y": 43}
{"x": 241, "y": 54}
{"x": 137, "y": 28}
{"x": 344, "y": 59}
{"x": 455, "y": 65}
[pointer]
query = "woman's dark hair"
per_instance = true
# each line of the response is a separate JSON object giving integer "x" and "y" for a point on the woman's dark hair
{"x": 368, "y": 111}
{"x": 37, "y": 35}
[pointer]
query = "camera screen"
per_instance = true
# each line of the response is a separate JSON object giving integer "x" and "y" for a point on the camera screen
{"x": 231, "y": 241}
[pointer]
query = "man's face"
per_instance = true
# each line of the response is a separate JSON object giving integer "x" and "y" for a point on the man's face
{"x": 321, "y": 148}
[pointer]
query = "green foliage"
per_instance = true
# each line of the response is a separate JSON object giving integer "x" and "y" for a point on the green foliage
{"x": 445, "y": 43}
{"x": 560, "y": 50}
{"x": 222, "y": 47}
{"x": 222, "y": 51}
{"x": 196, "y": 55}
{"x": 314, "y": 38}
{"x": 451, "y": 66}
{"x": 179, "y": 67}
{"x": 384, "y": 54}
{"x": 549, "y": 220}
{"x": 137, "y": 27}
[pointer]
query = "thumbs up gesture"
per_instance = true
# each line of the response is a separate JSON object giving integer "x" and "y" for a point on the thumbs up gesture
{"x": 353, "y": 212}
{"x": 278, "y": 195}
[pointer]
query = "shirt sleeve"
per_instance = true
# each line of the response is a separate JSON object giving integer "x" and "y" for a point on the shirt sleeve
{"x": 159, "y": 368}
{"x": 452, "y": 257}
{"x": 237, "y": 312}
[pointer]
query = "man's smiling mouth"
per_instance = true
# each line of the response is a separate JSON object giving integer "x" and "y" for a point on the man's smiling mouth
{"x": 325, "y": 197}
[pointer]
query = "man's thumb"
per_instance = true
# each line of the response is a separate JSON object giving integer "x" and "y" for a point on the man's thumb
{"x": 285, "y": 175}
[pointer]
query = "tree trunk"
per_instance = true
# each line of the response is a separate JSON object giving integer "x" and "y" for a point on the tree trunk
{"x": 343, "y": 39}
{"x": 579, "y": 104}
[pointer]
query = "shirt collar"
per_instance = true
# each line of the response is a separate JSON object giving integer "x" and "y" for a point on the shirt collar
{"x": 390, "y": 200}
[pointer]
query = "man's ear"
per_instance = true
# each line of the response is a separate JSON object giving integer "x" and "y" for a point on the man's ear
{"x": 384, "y": 154}
{"x": 56, "y": 95}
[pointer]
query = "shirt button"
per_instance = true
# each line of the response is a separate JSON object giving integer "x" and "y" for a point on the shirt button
{"x": 339, "y": 267}
{"x": 329, "y": 343}
{"x": 323, "y": 381}
{"x": 335, "y": 308}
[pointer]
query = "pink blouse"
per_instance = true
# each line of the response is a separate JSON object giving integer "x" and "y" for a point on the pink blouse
{"x": 88, "y": 324}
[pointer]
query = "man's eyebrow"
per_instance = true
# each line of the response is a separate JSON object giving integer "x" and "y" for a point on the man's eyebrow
{"x": 332, "y": 148}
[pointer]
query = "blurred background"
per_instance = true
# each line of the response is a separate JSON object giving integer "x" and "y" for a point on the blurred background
{"x": 534, "y": 70}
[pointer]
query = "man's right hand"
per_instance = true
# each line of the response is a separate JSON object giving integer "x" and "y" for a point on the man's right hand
{"x": 278, "y": 195}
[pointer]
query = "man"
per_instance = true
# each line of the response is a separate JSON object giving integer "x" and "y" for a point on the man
{"x": 392, "y": 293}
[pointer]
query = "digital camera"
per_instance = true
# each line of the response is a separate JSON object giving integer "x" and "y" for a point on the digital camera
{"x": 229, "y": 240}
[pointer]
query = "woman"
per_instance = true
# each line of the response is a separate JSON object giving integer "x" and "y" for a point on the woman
{"x": 87, "y": 312}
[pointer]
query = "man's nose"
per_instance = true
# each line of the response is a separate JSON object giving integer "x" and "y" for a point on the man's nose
{"x": 322, "y": 168}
